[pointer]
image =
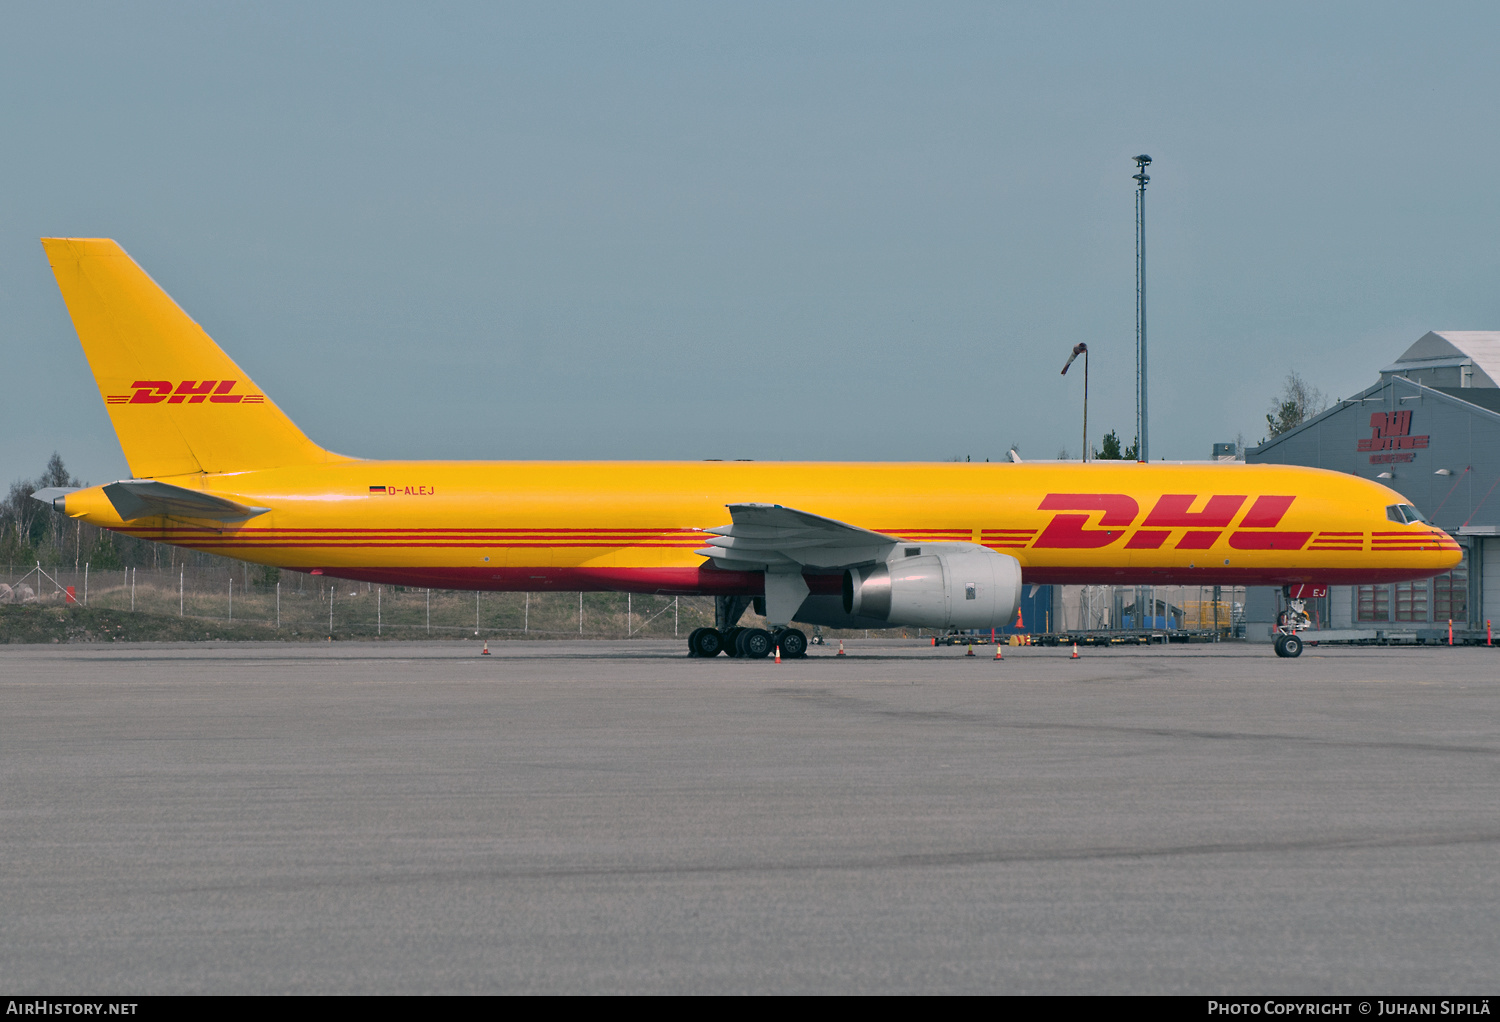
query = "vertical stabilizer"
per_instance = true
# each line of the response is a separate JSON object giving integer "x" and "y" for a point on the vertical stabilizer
{"x": 178, "y": 404}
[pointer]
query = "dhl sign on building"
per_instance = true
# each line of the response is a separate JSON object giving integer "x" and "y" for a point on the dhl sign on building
{"x": 1429, "y": 429}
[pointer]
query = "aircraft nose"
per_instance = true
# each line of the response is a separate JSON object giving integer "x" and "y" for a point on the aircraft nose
{"x": 1448, "y": 553}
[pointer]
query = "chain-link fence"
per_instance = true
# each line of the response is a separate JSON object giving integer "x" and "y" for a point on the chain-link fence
{"x": 295, "y": 604}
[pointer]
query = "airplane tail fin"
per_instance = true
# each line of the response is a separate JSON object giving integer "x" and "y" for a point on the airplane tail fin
{"x": 178, "y": 404}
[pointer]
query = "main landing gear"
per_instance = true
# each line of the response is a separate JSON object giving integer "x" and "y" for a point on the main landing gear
{"x": 750, "y": 643}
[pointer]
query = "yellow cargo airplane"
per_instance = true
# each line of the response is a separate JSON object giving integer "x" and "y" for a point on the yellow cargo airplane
{"x": 216, "y": 466}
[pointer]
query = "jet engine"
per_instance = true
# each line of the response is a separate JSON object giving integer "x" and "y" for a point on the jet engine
{"x": 947, "y": 585}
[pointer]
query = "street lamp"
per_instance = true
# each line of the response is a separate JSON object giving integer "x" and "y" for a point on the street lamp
{"x": 1082, "y": 349}
{"x": 1143, "y": 452}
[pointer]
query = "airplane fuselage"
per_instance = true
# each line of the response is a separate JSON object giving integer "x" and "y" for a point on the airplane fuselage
{"x": 634, "y": 526}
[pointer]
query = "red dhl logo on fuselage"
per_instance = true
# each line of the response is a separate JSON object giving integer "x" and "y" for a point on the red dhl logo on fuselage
{"x": 1256, "y": 530}
{"x": 193, "y": 392}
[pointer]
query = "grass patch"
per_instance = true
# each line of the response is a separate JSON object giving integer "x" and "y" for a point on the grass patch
{"x": 44, "y": 624}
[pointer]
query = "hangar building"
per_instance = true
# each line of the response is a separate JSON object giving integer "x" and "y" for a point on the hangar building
{"x": 1429, "y": 429}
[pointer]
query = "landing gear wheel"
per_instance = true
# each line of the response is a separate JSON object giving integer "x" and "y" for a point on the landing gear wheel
{"x": 1277, "y": 644}
{"x": 705, "y": 642}
{"x": 731, "y": 641}
{"x": 1291, "y": 646}
{"x": 754, "y": 643}
{"x": 793, "y": 642}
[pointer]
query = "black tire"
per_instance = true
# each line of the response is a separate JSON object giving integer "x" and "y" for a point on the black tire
{"x": 1280, "y": 651}
{"x": 731, "y": 641}
{"x": 705, "y": 642}
{"x": 793, "y": 643}
{"x": 1291, "y": 646}
{"x": 754, "y": 643}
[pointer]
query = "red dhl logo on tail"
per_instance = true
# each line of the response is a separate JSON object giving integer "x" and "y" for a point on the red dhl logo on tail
{"x": 193, "y": 392}
{"x": 1172, "y": 511}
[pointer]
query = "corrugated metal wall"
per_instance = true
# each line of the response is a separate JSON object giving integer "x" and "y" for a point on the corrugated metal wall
{"x": 1461, "y": 439}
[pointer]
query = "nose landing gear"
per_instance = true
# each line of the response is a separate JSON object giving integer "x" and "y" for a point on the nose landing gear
{"x": 1293, "y": 619}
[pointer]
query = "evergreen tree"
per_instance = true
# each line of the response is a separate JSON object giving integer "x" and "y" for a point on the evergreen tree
{"x": 1109, "y": 449}
{"x": 1299, "y": 401}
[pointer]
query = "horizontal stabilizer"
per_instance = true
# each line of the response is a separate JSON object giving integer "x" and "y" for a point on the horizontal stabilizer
{"x": 147, "y": 498}
{"x": 768, "y": 534}
{"x": 52, "y": 494}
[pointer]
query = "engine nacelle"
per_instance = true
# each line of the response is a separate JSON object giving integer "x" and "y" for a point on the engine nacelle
{"x": 946, "y": 585}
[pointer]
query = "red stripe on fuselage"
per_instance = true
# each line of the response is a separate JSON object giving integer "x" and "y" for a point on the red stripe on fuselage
{"x": 708, "y": 581}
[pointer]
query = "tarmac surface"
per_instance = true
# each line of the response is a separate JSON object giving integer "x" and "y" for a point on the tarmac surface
{"x": 615, "y": 817}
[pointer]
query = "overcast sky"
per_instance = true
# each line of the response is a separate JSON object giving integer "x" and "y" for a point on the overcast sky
{"x": 771, "y": 231}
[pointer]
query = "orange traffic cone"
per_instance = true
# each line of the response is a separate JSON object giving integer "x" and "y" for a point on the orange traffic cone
{"x": 778, "y": 654}
{"x": 841, "y": 648}
{"x": 998, "y": 655}
{"x": 1075, "y": 655}
{"x": 486, "y": 650}
{"x": 970, "y": 652}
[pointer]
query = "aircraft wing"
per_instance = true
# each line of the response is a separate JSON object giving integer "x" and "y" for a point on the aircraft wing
{"x": 772, "y": 537}
{"x": 147, "y": 498}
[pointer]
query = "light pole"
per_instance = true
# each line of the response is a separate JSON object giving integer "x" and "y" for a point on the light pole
{"x": 1143, "y": 452}
{"x": 1082, "y": 349}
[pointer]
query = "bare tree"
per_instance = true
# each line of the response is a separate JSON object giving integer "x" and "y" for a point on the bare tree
{"x": 1298, "y": 402}
{"x": 26, "y": 523}
{"x": 56, "y": 474}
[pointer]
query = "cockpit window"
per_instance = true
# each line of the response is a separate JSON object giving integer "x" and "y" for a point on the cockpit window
{"x": 1405, "y": 514}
